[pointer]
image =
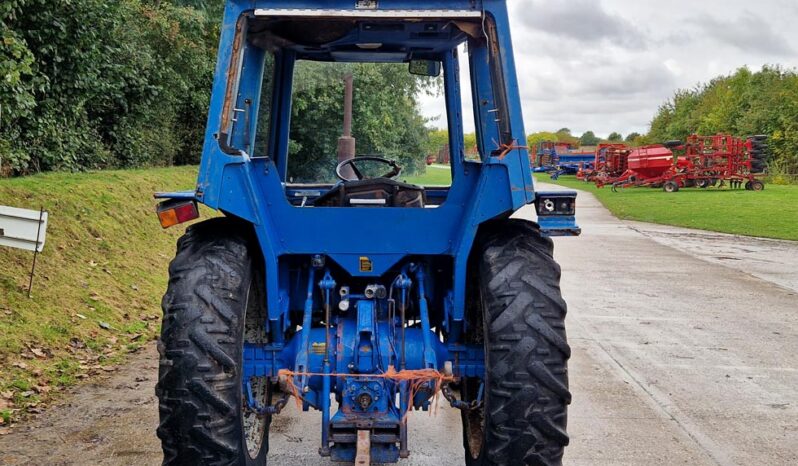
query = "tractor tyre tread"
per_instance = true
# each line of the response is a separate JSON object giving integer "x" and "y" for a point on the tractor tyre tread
{"x": 528, "y": 397}
{"x": 200, "y": 346}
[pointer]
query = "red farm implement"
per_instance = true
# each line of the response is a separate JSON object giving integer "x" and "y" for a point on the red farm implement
{"x": 611, "y": 161}
{"x": 701, "y": 161}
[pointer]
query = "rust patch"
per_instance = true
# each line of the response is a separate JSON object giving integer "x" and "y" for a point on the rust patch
{"x": 363, "y": 448}
{"x": 232, "y": 74}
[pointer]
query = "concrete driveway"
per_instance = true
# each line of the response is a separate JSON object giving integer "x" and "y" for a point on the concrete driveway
{"x": 683, "y": 354}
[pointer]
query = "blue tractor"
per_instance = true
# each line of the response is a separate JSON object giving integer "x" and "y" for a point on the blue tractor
{"x": 366, "y": 297}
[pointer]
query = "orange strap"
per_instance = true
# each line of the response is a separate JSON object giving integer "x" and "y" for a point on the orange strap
{"x": 507, "y": 148}
{"x": 416, "y": 378}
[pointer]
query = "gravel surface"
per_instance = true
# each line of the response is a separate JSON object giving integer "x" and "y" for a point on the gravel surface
{"x": 685, "y": 351}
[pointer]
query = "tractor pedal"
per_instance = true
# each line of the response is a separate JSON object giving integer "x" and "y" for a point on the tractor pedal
{"x": 363, "y": 457}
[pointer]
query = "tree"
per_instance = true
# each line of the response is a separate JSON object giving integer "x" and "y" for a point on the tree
{"x": 564, "y": 135}
{"x": 470, "y": 143}
{"x": 436, "y": 139}
{"x": 385, "y": 116}
{"x": 640, "y": 140}
{"x": 589, "y": 138}
{"x": 615, "y": 137}
{"x": 119, "y": 83}
{"x": 632, "y": 136}
{"x": 543, "y": 136}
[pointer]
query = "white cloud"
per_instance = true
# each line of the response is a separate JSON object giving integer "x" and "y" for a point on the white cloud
{"x": 748, "y": 33}
{"x": 584, "y": 21}
{"x": 673, "y": 66}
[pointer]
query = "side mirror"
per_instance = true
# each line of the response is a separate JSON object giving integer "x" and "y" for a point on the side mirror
{"x": 425, "y": 67}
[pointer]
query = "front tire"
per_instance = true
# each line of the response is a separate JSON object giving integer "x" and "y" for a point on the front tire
{"x": 524, "y": 413}
{"x": 213, "y": 304}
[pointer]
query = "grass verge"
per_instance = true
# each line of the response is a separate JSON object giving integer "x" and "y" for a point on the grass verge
{"x": 772, "y": 213}
{"x": 98, "y": 281}
{"x": 435, "y": 175}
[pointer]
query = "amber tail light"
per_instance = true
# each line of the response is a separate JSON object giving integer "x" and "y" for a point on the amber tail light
{"x": 176, "y": 211}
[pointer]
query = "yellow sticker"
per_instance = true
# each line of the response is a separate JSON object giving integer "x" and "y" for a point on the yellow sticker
{"x": 365, "y": 264}
{"x": 318, "y": 348}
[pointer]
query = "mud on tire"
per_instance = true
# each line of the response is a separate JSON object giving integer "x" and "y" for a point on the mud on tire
{"x": 214, "y": 302}
{"x": 523, "y": 419}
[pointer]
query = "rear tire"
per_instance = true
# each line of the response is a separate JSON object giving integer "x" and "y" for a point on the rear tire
{"x": 670, "y": 187}
{"x": 757, "y": 185}
{"x": 524, "y": 414}
{"x": 213, "y": 304}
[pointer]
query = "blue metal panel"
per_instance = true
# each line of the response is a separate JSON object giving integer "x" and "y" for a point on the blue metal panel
{"x": 559, "y": 226}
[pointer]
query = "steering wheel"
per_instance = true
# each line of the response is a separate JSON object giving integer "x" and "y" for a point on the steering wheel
{"x": 395, "y": 168}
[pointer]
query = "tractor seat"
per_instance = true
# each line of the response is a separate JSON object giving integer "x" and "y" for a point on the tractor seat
{"x": 374, "y": 192}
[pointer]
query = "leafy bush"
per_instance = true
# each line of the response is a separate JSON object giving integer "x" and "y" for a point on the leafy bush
{"x": 101, "y": 83}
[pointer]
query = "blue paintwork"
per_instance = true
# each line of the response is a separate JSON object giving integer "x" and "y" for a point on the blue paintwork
{"x": 559, "y": 226}
{"x": 312, "y": 254}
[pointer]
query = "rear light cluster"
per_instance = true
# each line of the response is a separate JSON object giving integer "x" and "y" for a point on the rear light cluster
{"x": 177, "y": 211}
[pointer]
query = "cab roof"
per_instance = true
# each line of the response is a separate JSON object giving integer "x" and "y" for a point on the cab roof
{"x": 381, "y": 39}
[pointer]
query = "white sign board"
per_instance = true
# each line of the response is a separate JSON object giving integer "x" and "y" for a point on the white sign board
{"x": 20, "y": 228}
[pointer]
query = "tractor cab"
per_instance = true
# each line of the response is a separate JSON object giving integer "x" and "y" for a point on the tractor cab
{"x": 411, "y": 47}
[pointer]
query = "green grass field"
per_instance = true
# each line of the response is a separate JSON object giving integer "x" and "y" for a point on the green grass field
{"x": 772, "y": 213}
{"x": 98, "y": 282}
{"x": 436, "y": 175}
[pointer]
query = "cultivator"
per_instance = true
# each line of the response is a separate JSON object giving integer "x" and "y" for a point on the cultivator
{"x": 557, "y": 158}
{"x": 611, "y": 161}
{"x": 700, "y": 161}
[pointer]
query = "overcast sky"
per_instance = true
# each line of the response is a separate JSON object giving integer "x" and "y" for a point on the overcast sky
{"x": 606, "y": 65}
